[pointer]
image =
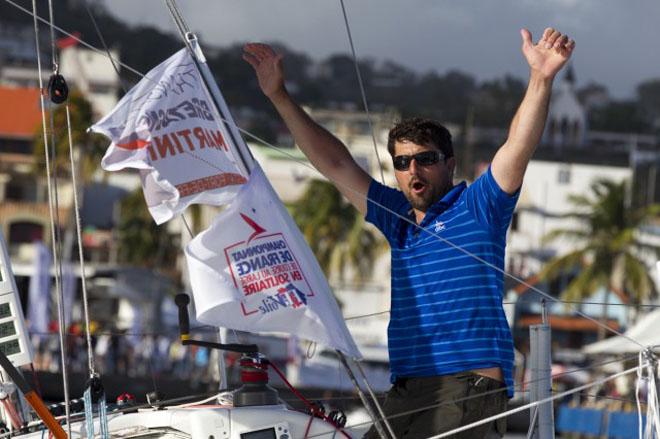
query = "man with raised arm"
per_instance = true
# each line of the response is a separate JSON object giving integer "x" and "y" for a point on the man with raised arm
{"x": 448, "y": 337}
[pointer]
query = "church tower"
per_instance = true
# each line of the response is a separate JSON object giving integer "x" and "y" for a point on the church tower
{"x": 567, "y": 119}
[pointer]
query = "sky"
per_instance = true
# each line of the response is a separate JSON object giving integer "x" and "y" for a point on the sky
{"x": 618, "y": 41}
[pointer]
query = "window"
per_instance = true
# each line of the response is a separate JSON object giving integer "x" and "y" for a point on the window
{"x": 564, "y": 176}
{"x": 514, "y": 222}
{"x": 20, "y": 189}
{"x": 25, "y": 232}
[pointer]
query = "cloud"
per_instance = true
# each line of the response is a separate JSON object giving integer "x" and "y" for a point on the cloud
{"x": 615, "y": 38}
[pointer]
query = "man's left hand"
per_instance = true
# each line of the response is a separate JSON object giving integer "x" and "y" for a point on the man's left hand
{"x": 550, "y": 54}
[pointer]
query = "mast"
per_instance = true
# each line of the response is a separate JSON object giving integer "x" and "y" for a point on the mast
{"x": 245, "y": 158}
{"x": 192, "y": 43}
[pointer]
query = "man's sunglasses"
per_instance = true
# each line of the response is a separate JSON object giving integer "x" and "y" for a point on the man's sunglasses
{"x": 426, "y": 158}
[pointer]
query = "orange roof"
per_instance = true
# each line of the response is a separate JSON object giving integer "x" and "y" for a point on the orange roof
{"x": 20, "y": 112}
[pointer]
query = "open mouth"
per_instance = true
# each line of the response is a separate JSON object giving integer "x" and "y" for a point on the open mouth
{"x": 418, "y": 187}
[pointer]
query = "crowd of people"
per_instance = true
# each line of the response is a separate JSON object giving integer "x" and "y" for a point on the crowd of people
{"x": 118, "y": 352}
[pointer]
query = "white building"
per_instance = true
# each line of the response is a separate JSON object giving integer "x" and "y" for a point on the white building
{"x": 569, "y": 159}
{"x": 567, "y": 119}
{"x": 543, "y": 202}
{"x": 93, "y": 74}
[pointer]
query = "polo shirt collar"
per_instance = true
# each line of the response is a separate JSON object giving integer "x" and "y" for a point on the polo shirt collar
{"x": 449, "y": 198}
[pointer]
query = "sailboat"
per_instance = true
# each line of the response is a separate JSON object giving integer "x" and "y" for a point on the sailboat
{"x": 175, "y": 127}
{"x": 259, "y": 271}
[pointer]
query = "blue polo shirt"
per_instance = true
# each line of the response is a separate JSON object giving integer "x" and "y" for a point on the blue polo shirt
{"x": 446, "y": 311}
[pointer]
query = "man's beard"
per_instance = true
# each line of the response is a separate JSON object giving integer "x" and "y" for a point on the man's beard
{"x": 428, "y": 198}
{"x": 423, "y": 202}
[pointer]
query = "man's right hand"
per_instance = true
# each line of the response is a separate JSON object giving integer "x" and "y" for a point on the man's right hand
{"x": 324, "y": 150}
{"x": 268, "y": 67}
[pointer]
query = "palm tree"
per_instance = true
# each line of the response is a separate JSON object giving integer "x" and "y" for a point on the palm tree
{"x": 87, "y": 150}
{"x": 609, "y": 253}
{"x": 142, "y": 242}
{"x": 336, "y": 232}
{"x": 91, "y": 147}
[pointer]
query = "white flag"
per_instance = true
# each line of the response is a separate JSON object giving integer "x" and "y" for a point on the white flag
{"x": 39, "y": 291}
{"x": 69, "y": 287}
{"x": 166, "y": 128}
{"x": 252, "y": 270}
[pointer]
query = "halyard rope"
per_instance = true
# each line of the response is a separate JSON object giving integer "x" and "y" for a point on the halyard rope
{"x": 646, "y": 373}
{"x": 105, "y": 46}
{"x": 62, "y": 324}
{"x": 83, "y": 277}
{"x": 56, "y": 255}
{"x": 364, "y": 94}
{"x": 500, "y": 415}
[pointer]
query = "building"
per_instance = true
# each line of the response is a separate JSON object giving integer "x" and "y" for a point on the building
{"x": 18, "y": 57}
{"x": 543, "y": 205}
{"x": 24, "y": 212}
{"x": 567, "y": 118}
{"x": 569, "y": 159}
{"x": 92, "y": 73}
{"x": 357, "y": 132}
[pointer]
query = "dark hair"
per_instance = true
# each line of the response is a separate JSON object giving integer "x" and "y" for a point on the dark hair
{"x": 421, "y": 131}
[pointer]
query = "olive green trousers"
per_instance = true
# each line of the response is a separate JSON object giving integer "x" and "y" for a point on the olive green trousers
{"x": 423, "y": 407}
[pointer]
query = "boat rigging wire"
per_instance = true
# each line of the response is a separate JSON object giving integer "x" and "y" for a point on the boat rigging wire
{"x": 60, "y": 260}
{"x": 53, "y": 50}
{"x": 494, "y": 391}
{"x": 537, "y": 403}
{"x": 80, "y": 415}
{"x": 187, "y": 226}
{"x": 557, "y": 300}
{"x": 559, "y": 395}
{"x": 51, "y": 207}
{"x": 652, "y": 409}
{"x": 620, "y": 358}
{"x": 83, "y": 277}
{"x": 363, "y": 93}
{"x": 105, "y": 46}
{"x": 76, "y": 38}
{"x": 522, "y": 386}
{"x": 446, "y": 241}
{"x": 358, "y": 365}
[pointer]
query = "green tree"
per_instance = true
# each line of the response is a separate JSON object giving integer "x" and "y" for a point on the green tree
{"x": 648, "y": 96}
{"x": 143, "y": 243}
{"x": 90, "y": 147}
{"x": 619, "y": 116}
{"x": 495, "y": 102}
{"x": 336, "y": 232}
{"x": 609, "y": 253}
{"x": 87, "y": 151}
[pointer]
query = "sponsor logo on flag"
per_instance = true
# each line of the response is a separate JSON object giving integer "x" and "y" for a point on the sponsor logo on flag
{"x": 252, "y": 270}
{"x": 165, "y": 127}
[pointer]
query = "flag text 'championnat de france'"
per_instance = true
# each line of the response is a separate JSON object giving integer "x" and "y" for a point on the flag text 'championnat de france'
{"x": 265, "y": 269}
{"x": 252, "y": 270}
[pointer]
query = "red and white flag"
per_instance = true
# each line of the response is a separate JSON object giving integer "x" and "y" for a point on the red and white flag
{"x": 252, "y": 270}
{"x": 166, "y": 127}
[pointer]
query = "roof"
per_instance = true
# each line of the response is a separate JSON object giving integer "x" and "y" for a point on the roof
{"x": 566, "y": 323}
{"x": 645, "y": 332}
{"x": 20, "y": 112}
